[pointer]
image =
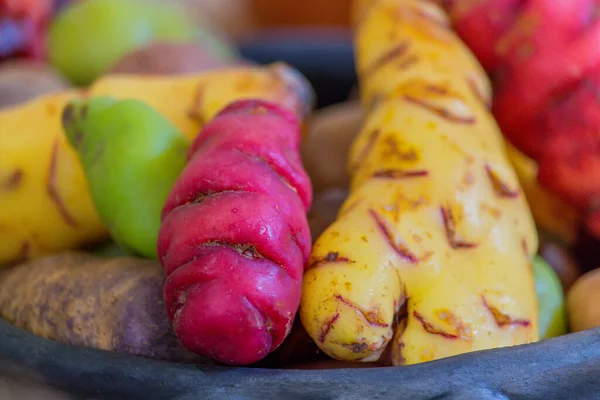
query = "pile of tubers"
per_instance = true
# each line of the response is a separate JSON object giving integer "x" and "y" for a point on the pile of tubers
{"x": 244, "y": 229}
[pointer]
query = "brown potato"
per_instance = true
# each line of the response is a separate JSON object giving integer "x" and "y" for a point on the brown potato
{"x": 583, "y": 302}
{"x": 168, "y": 58}
{"x": 105, "y": 303}
{"x": 325, "y": 149}
{"x": 22, "y": 80}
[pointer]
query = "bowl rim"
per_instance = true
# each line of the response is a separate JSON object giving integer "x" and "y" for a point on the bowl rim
{"x": 563, "y": 367}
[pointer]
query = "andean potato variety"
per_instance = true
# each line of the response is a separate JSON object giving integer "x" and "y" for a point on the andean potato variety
{"x": 333, "y": 129}
{"x": 234, "y": 237}
{"x": 431, "y": 253}
{"x": 131, "y": 156}
{"x": 554, "y": 271}
{"x": 85, "y": 300}
{"x": 45, "y": 201}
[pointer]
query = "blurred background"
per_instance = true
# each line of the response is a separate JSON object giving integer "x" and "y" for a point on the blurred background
{"x": 46, "y": 45}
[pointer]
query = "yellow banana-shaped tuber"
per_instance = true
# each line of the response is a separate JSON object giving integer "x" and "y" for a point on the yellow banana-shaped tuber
{"x": 45, "y": 206}
{"x": 431, "y": 254}
{"x": 44, "y": 203}
{"x": 189, "y": 101}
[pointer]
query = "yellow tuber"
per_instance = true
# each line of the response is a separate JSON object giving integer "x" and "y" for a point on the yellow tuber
{"x": 44, "y": 197}
{"x": 431, "y": 253}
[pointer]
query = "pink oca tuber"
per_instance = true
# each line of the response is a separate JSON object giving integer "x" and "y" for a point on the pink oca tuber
{"x": 234, "y": 237}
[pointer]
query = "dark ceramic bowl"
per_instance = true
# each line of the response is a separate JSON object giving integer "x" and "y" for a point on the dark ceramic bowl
{"x": 564, "y": 368}
{"x": 32, "y": 367}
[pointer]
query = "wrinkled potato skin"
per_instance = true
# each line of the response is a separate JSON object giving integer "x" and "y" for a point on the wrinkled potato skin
{"x": 583, "y": 302}
{"x": 430, "y": 255}
{"x": 105, "y": 303}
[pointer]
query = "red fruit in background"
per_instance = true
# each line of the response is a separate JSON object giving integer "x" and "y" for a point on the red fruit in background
{"x": 544, "y": 60}
{"x": 543, "y": 56}
{"x": 33, "y": 10}
{"x": 570, "y": 161}
{"x": 481, "y": 23}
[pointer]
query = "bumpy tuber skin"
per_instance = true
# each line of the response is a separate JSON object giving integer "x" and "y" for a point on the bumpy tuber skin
{"x": 44, "y": 197}
{"x": 545, "y": 57}
{"x": 431, "y": 253}
{"x": 234, "y": 237}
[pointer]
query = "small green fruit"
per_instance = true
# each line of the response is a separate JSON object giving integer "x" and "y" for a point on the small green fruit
{"x": 551, "y": 302}
{"x": 131, "y": 156}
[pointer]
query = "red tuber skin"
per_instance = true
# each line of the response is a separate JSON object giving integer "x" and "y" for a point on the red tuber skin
{"x": 481, "y": 24}
{"x": 544, "y": 58}
{"x": 234, "y": 237}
